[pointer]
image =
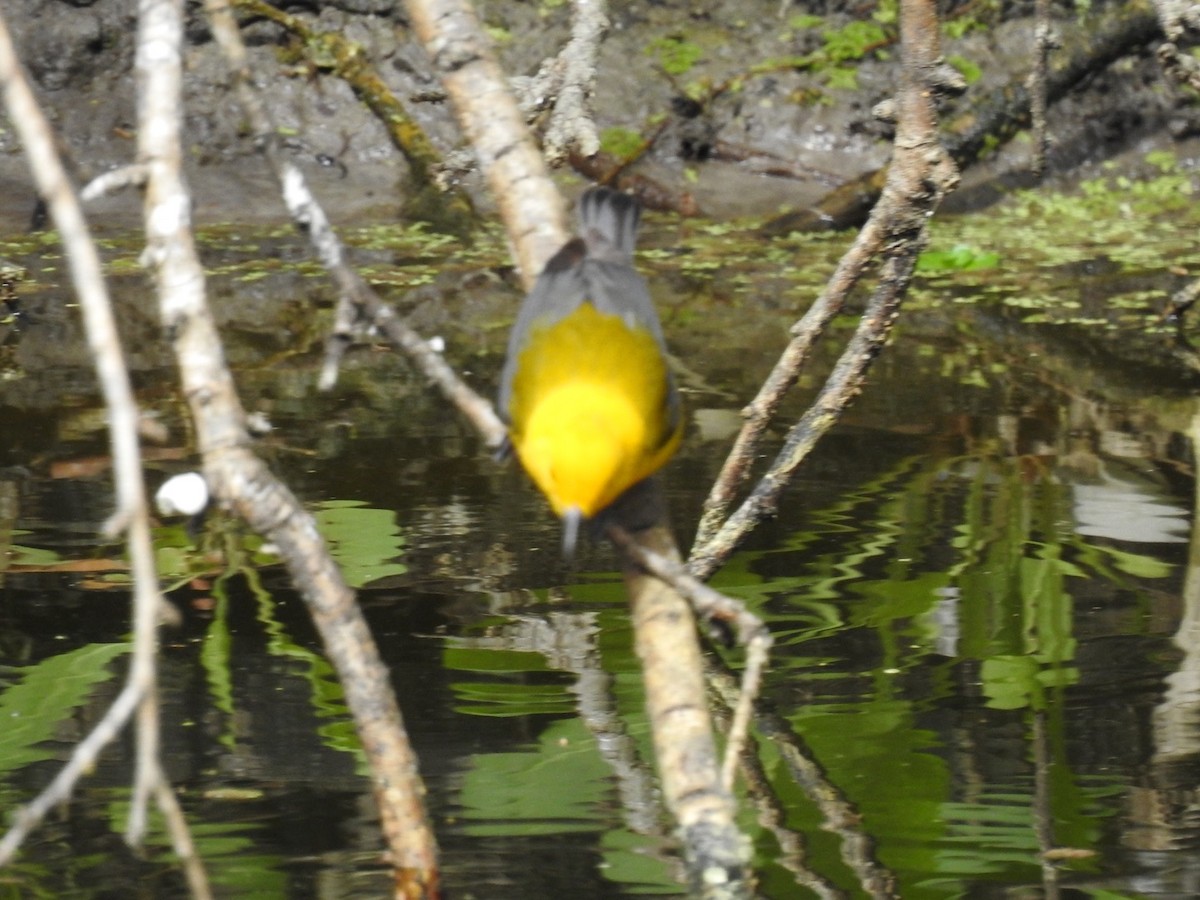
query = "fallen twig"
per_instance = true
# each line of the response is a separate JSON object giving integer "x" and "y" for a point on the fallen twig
{"x": 446, "y": 206}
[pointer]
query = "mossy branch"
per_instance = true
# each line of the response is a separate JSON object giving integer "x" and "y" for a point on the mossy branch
{"x": 449, "y": 209}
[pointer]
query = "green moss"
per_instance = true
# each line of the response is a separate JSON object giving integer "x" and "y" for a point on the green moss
{"x": 844, "y": 78}
{"x": 675, "y": 55}
{"x": 804, "y": 22}
{"x": 853, "y": 41}
{"x": 1163, "y": 160}
{"x": 622, "y": 143}
{"x": 970, "y": 72}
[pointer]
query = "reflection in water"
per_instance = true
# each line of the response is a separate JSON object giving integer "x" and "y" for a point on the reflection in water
{"x": 973, "y": 590}
{"x": 1127, "y": 510}
{"x": 1165, "y": 805}
{"x": 943, "y": 628}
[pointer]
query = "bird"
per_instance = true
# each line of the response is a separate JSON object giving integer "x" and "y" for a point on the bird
{"x": 590, "y": 402}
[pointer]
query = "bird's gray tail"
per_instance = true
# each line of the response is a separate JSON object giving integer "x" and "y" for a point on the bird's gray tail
{"x": 608, "y": 222}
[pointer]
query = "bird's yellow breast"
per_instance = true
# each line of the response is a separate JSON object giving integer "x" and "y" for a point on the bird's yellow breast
{"x": 590, "y": 410}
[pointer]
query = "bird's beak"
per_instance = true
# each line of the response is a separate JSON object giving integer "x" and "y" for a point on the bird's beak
{"x": 571, "y": 519}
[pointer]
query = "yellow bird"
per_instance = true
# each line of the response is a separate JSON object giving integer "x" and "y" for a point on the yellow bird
{"x": 591, "y": 406}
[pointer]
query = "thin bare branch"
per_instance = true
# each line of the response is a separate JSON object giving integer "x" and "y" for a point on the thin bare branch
{"x": 529, "y": 203}
{"x": 357, "y": 302}
{"x": 112, "y": 182}
{"x": 761, "y": 794}
{"x": 920, "y": 175}
{"x": 181, "y": 839}
{"x": 713, "y": 606}
{"x": 132, "y": 511}
{"x": 241, "y": 481}
{"x": 1044, "y": 41}
{"x": 758, "y": 414}
{"x": 564, "y": 84}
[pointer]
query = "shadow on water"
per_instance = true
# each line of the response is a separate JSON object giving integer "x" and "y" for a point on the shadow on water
{"x": 982, "y": 588}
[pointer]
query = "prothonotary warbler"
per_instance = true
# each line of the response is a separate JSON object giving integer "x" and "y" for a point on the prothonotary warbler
{"x": 591, "y": 406}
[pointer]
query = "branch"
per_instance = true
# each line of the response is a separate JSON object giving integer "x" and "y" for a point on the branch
{"x": 240, "y": 481}
{"x": 920, "y": 175}
{"x": 356, "y": 299}
{"x": 564, "y": 83}
{"x": 664, "y": 627}
{"x": 760, "y": 411}
{"x": 665, "y": 638}
{"x": 530, "y": 205}
{"x": 132, "y": 513}
{"x": 447, "y": 207}
{"x": 112, "y": 182}
{"x": 714, "y": 607}
{"x": 999, "y": 115}
{"x": 1044, "y": 41}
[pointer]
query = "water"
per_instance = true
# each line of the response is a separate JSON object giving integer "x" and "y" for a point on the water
{"x": 981, "y": 587}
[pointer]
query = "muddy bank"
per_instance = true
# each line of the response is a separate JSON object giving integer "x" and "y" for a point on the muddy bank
{"x": 814, "y": 125}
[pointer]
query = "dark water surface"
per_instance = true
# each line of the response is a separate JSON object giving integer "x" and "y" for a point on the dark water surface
{"x": 982, "y": 588}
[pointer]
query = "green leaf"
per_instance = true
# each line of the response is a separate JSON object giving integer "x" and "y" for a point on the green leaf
{"x": 19, "y": 555}
{"x": 48, "y": 693}
{"x": 364, "y": 541}
{"x": 525, "y": 793}
{"x": 1010, "y": 682}
{"x": 1137, "y": 564}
